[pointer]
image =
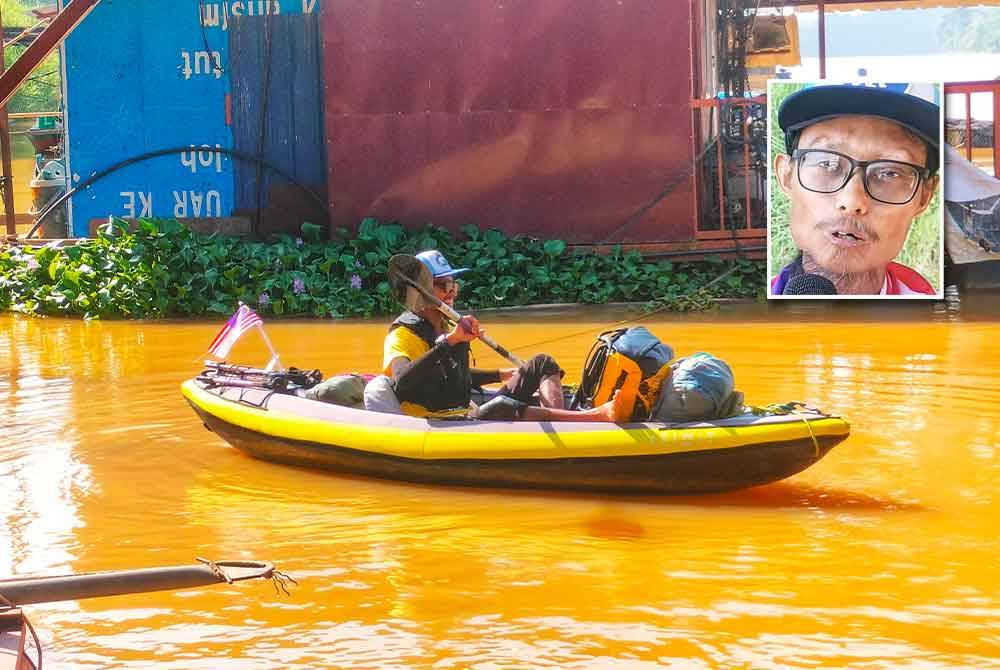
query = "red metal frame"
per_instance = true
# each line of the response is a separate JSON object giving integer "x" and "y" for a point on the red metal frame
{"x": 61, "y": 26}
{"x": 697, "y": 22}
{"x": 744, "y": 232}
{"x": 5, "y": 154}
{"x": 967, "y": 89}
{"x": 10, "y": 80}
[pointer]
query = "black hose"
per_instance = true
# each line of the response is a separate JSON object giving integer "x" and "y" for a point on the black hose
{"x": 204, "y": 37}
{"x": 265, "y": 96}
{"x": 233, "y": 153}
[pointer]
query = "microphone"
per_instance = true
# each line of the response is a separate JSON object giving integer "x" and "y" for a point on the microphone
{"x": 809, "y": 284}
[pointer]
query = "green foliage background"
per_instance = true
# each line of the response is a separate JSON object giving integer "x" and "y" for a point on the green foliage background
{"x": 921, "y": 251}
{"x": 41, "y": 90}
{"x": 163, "y": 269}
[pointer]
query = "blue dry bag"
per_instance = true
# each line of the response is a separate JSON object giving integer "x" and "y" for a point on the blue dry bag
{"x": 701, "y": 388}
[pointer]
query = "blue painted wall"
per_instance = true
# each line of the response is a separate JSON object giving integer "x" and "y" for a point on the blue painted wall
{"x": 139, "y": 78}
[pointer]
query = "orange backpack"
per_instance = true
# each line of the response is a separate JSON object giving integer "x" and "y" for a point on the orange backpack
{"x": 631, "y": 361}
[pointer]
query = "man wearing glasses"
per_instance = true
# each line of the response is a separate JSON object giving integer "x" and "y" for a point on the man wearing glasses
{"x": 426, "y": 369}
{"x": 861, "y": 165}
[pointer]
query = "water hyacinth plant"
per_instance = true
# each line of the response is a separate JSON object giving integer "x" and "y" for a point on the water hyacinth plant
{"x": 161, "y": 268}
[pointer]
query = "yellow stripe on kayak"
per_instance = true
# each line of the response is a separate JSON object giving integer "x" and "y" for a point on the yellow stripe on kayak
{"x": 424, "y": 442}
{"x": 623, "y": 441}
{"x": 365, "y": 437}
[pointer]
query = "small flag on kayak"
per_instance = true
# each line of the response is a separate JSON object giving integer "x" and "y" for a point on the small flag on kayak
{"x": 243, "y": 320}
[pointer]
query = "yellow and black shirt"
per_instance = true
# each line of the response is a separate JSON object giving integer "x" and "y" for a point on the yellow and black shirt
{"x": 438, "y": 381}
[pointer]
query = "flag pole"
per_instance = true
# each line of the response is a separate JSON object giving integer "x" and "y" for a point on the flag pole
{"x": 275, "y": 361}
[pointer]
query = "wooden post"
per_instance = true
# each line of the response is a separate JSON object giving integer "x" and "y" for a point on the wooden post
{"x": 7, "y": 188}
{"x": 995, "y": 93}
{"x": 968, "y": 126}
{"x": 821, "y": 8}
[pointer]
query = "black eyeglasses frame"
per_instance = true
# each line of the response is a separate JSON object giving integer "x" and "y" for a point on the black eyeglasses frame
{"x": 922, "y": 172}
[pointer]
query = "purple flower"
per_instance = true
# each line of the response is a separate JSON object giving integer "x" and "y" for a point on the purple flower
{"x": 298, "y": 286}
{"x": 32, "y": 264}
{"x": 299, "y": 242}
{"x": 357, "y": 263}
{"x": 355, "y": 282}
{"x": 263, "y": 299}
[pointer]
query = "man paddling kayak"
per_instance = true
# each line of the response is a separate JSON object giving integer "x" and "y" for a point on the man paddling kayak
{"x": 426, "y": 367}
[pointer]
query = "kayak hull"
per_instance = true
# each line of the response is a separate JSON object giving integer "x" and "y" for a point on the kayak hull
{"x": 632, "y": 458}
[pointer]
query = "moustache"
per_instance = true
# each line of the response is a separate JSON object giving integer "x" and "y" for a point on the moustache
{"x": 850, "y": 226}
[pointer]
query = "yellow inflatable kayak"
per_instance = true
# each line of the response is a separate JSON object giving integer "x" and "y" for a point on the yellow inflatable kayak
{"x": 649, "y": 458}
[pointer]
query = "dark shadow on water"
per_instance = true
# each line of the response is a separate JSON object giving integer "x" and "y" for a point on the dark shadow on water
{"x": 784, "y": 494}
{"x": 792, "y": 494}
{"x": 774, "y": 496}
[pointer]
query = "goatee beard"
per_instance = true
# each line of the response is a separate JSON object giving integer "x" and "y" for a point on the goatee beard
{"x": 869, "y": 282}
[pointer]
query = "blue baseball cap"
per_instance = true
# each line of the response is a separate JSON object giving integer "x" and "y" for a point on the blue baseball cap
{"x": 819, "y": 103}
{"x": 438, "y": 264}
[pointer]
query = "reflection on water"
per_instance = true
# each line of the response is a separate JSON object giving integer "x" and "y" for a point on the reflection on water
{"x": 882, "y": 555}
{"x": 37, "y": 463}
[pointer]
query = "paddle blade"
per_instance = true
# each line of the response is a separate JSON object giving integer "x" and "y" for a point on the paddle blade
{"x": 404, "y": 269}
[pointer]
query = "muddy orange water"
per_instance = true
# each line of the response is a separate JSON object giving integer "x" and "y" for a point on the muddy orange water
{"x": 883, "y": 555}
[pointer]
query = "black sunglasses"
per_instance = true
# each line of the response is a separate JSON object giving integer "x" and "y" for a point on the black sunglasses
{"x": 446, "y": 284}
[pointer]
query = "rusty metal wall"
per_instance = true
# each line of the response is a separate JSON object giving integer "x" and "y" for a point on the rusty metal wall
{"x": 558, "y": 118}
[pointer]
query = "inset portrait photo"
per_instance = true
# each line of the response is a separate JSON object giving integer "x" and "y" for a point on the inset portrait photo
{"x": 855, "y": 190}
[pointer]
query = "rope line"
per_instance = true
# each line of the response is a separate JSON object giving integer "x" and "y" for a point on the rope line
{"x": 635, "y": 319}
{"x": 797, "y": 408}
{"x": 280, "y": 581}
{"x": 216, "y": 570}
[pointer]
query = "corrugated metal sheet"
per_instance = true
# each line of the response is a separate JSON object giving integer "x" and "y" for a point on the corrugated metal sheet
{"x": 552, "y": 117}
{"x": 142, "y": 77}
{"x": 291, "y": 137}
{"x": 117, "y": 109}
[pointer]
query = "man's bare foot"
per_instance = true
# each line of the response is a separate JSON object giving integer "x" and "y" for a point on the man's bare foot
{"x": 616, "y": 409}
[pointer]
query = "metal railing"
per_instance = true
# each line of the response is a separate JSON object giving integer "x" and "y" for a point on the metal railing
{"x": 976, "y": 138}
{"x": 731, "y": 170}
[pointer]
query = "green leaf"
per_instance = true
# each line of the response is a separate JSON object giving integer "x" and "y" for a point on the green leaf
{"x": 554, "y": 247}
{"x": 311, "y": 232}
{"x": 367, "y": 228}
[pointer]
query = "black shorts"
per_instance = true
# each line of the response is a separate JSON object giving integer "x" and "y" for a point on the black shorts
{"x": 509, "y": 403}
{"x": 530, "y": 376}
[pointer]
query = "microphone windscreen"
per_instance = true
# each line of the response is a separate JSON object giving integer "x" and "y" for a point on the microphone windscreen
{"x": 809, "y": 284}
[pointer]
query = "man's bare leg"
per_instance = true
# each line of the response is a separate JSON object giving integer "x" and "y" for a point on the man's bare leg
{"x": 550, "y": 392}
{"x": 614, "y": 410}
